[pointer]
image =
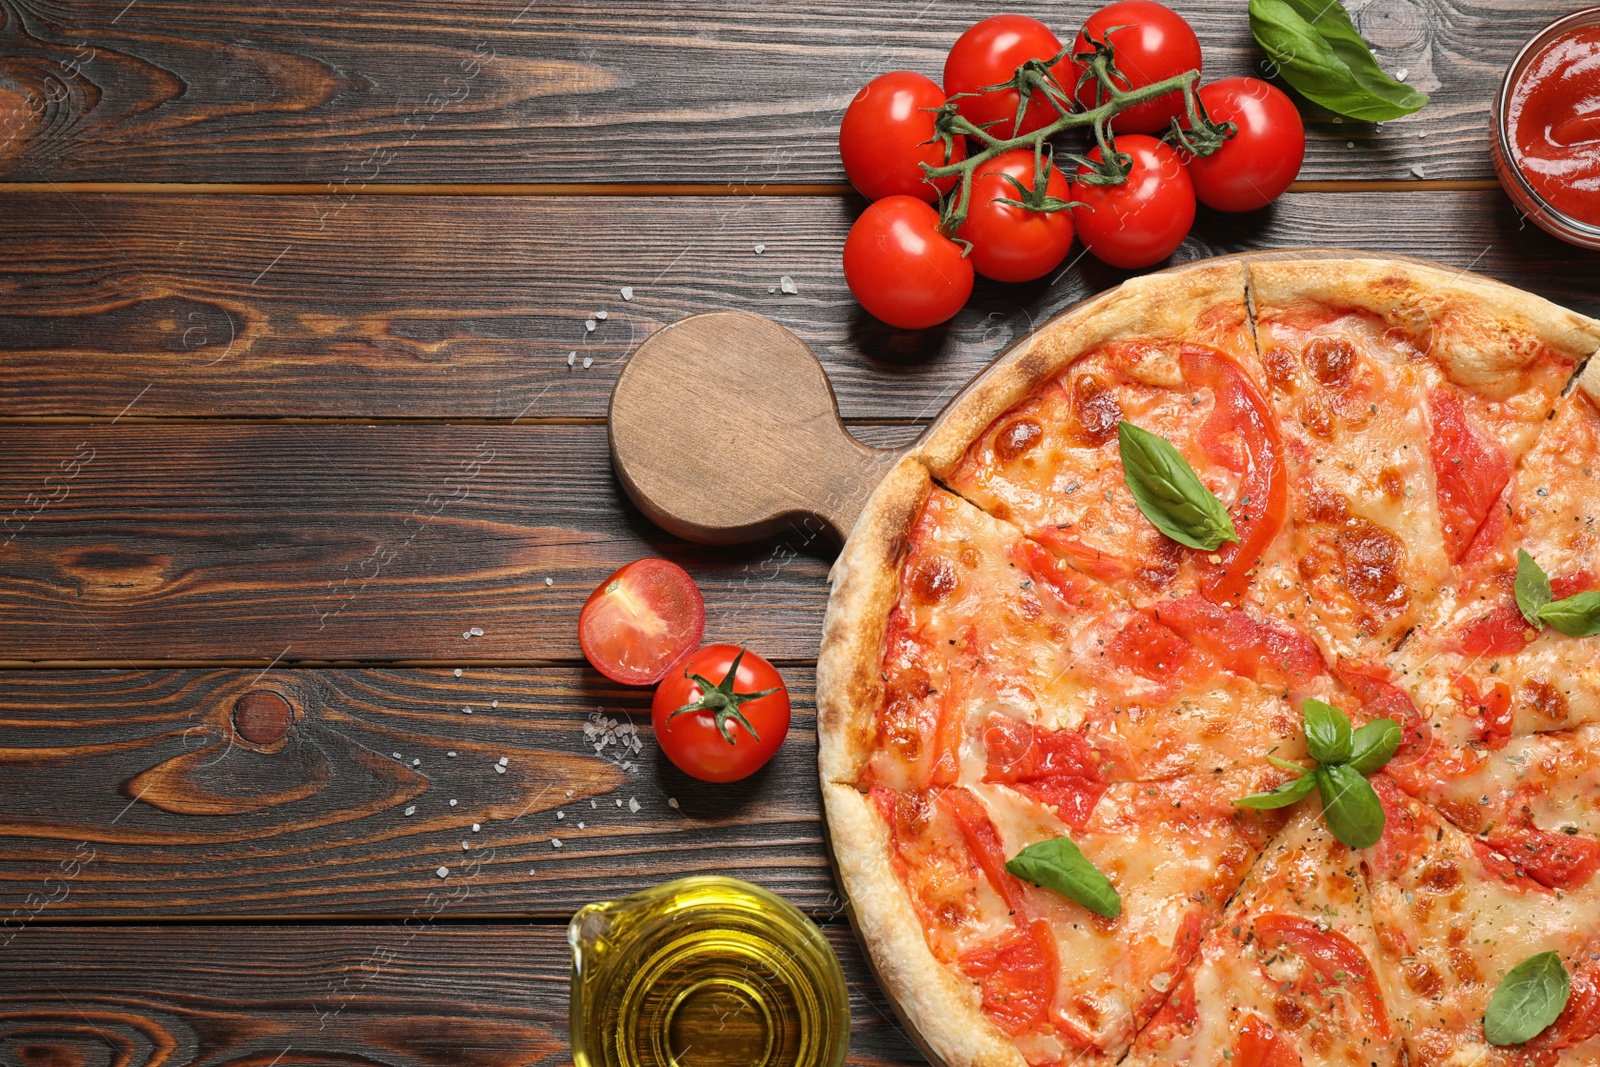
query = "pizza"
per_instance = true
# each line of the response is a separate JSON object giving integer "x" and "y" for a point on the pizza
{"x": 1018, "y": 660}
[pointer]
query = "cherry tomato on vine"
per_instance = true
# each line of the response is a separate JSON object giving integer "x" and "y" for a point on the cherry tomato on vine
{"x": 901, "y": 268}
{"x": 1143, "y": 220}
{"x": 1152, "y": 43}
{"x": 1256, "y": 164}
{"x": 989, "y": 53}
{"x": 640, "y": 620}
{"x": 721, "y": 713}
{"x": 1010, "y": 243}
{"x": 887, "y": 134}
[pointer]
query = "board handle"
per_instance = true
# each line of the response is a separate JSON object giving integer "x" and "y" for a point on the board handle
{"x": 724, "y": 429}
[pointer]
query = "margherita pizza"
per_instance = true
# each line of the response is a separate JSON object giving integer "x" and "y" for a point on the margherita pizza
{"x": 1039, "y": 706}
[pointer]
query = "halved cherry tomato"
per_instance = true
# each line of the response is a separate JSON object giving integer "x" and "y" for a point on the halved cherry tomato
{"x": 640, "y": 620}
{"x": 901, "y": 268}
{"x": 989, "y": 54}
{"x": 887, "y": 134}
{"x": 1469, "y": 466}
{"x": 1011, "y": 243}
{"x": 721, "y": 713}
{"x": 1256, "y": 164}
{"x": 1152, "y": 43}
{"x": 1328, "y": 959}
{"x": 1143, "y": 220}
{"x": 1260, "y": 1045}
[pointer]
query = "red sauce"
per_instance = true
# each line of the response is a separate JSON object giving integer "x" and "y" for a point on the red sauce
{"x": 1553, "y": 124}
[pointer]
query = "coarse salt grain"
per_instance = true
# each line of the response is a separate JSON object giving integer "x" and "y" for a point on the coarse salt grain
{"x": 466, "y": 711}
{"x": 619, "y": 802}
{"x": 476, "y": 827}
{"x": 494, "y": 703}
{"x": 760, "y": 249}
{"x": 1417, "y": 171}
{"x": 672, "y": 802}
{"x": 443, "y": 872}
{"x": 476, "y": 631}
{"x": 588, "y": 361}
{"x": 1402, "y": 74}
{"x": 787, "y": 284}
{"x": 416, "y": 763}
{"x": 772, "y": 288}
{"x": 555, "y": 842}
{"x": 498, "y": 769}
{"x": 572, "y": 357}
{"x": 465, "y": 846}
{"x": 411, "y": 809}
{"x": 633, "y": 805}
{"x": 398, "y": 756}
{"x": 504, "y": 760}
{"x": 580, "y": 824}
{"x": 561, "y": 815}
{"x": 589, "y": 324}
{"x": 602, "y": 315}
{"x": 549, "y": 581}
{"x": 592, "y": 804}
{"x": 452, "y": 802}
{"x": 458, "y": 672}
{"x": 627, "y": 292}
{"x": 452, "y": 753}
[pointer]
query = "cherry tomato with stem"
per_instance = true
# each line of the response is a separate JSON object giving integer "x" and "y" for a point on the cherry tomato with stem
{"x": 1143, "y": 220}
{"x": 1151, "y": 43}
{"x": 888, "y": 133}
{"x": 641, "y": 620}
{"x": 1256, "y": 164}
{"x": 1012, "y": 243}
{"x": 989, "y": 53}
{"x": 721, "y": 713}
{"x": 901, "y": 268}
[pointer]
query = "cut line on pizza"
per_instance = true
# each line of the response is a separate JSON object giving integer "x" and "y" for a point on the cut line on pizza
{"x": 1039, "y": 708}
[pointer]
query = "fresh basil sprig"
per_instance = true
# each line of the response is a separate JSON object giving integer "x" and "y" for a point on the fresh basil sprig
{"x": 1344, "y": 756}
{"x": 1316, "y": 48}
{"x": 1529, "y": 998}
{"x": 1169, "y": 493}
{"x": 1575, "y": 616}
{"x": 1058, "y": 865}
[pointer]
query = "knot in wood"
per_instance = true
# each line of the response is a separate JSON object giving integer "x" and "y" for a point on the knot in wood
{"x": 262, "y": 717}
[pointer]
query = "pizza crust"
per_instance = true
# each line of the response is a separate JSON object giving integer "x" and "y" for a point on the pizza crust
{"x": 1201, "y": 303}
{"x": 937, "y": 1006}
{"x": 1477, "y": 329}
{"x": 866, "y": 581}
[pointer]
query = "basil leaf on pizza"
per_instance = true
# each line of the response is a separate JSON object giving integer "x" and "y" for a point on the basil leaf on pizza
{"x": 1374, "y": 745}
{"x": 1532, "y": 588}
{"x": 1061, "y": 867}
{"x": 1576, "y": 616}
{"x": 1530, "y": 997}
{"x": 1328, "y": 734}
{"x": 1169, "y": 493}
{"x": 1291, "y": 792}
{"x": 1350, "y": 805}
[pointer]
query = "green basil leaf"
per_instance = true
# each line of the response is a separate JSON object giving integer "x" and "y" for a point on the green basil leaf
{"x": 1350, "y": 805}
{"x": 1290, "y": 792}
{"x": 1374, "y": 745}
{"x": 1529, "y": 998}
{"x": 1169, "y": 493}
{"x": 1328, "y": 736}
{"x": 1318, "y": 51}
{"x": 1532, "y": 588}
{"x": 1576, "y": 616}
{"x": 1059, "y": 866}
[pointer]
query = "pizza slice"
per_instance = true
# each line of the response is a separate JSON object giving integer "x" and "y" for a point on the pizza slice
{"x": 1475, "y": 665}
{"x": 1406, "y": 397}
{"x": 1051, "y": 463}
{"x": 1453, "y": 917}
{"x": 1063, "y": 983}
{"x": 1286, "y": 976}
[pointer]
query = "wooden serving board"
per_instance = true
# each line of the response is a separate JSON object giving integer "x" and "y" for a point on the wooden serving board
{"x": 724, "y": 428}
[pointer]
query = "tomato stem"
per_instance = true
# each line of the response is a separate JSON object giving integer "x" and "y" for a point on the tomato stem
{"x": 1034, "y": 78}
{"x": 720, "y": 699}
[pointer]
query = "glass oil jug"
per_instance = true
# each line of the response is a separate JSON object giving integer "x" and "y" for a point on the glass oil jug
{"x": 704, "y": 972}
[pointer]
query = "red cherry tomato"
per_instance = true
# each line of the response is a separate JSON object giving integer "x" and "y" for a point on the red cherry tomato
{"x": 721, "y": 713}
{"x": 887, "y": 134}
{"x": 640, "y": 620}
{"x": 1151, "y": 43}
{"x": 1259, "y": 1045}
{"x": 1256, "y": 164}
{"x": 1143, "y": 220}
{"x": 1010, "y": 243}
{"x": 901, "y": 268}
{"x": 989, "y": 54}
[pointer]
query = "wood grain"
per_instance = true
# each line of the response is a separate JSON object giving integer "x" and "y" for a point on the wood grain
{"x": 290, "y": 543}
{"x": 131, "y": 794}
{"x": 417, "y": 993}
{"x": 463, "y": 308}
{"x": 696, "y": 91}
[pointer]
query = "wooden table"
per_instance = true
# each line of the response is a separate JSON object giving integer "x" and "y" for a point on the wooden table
{"x": 297, "y": 389}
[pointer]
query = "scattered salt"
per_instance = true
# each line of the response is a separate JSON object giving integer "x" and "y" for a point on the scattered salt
{"x": 443, "y": 872}
{"x": 572, "y": 357}
{"x": 465, "y": 846}
{"x": 772, "y": 288}
{"x": 398, "y": 756}
{"x": 569, "y": 792}
{"x": 760, "y": 249}
{"x": 580, "y": 824}
{"x": 619, "y": 802}
{"x": 788, "y": 285}
{"x": 627, "y": 292}
{"x": 633, "y": 805}
{"x": 498, "y": 769}
{"x": 411, "y": 809}
{"x": 532, "y": 871}
{"x": 672, "y": 802}
{"x": 549, "y": 581}
{"x": 589, "y": 324}
{"x": 416, "y": 763}
{"x": 1402, "y": 74}
{"x": 1422, "y": 133}
{"x": 476, "y": 827}
{"x": 1417, "y": 171}
{"x": 494, "y": 703}
{"x": 561, "y": 815}
{"x": 458, "y": 672}
{"x": 555, "y": 842}
{"x": 452, "y": 753}
{"x": 466, "y": 711}
{"x": 453, "y": 802}
{"x": 588, "y": 361}
{"x": 592, "y": 804}
{"x": 1349, "y": 144}
{"x": 476, "y": 631}
{"x": 504, "y": 760}
{"x": 602, "y": 315}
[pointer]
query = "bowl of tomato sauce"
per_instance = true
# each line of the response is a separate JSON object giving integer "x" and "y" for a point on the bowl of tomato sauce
{"x": 1546, "y": 142}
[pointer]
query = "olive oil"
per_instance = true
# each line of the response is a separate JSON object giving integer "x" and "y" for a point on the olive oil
{"x": 704, "y": 972}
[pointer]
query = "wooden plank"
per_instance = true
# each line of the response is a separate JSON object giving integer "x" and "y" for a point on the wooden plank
{"x": 419, "y": 993}
{"x": 132, "y": 794}
{"x": 698, "y": 91}
{"x": 290, "y": 543}
{"x": 463, "y": 308}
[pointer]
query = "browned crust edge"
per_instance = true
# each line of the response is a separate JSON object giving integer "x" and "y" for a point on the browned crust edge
{"x": 1165, "y": 304}
{"x": 1477, "y": 322}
